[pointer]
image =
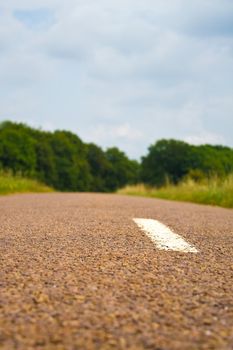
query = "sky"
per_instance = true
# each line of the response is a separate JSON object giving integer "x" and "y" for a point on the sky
{"x": 122, "y": 73}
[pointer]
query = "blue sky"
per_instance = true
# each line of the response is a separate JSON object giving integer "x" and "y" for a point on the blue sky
{"x": 123, "y": 73}
{"x": 37, "y": 19}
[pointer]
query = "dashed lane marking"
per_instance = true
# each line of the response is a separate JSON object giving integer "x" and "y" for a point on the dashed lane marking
{"x": 163, "y": 237}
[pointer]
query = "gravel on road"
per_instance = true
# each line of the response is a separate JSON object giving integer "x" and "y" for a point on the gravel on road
{"x": 77, "y": 273}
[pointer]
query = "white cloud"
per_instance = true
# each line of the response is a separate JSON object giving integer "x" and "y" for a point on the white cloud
{"x": 205, "y": 138}
{"x": 123, "y": 72}
{"x": 123, "y": 131}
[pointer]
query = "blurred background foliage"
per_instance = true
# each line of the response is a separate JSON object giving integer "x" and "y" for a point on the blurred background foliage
{"x": 61, "y": 160}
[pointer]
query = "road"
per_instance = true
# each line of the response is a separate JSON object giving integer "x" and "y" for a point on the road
{"x": 77, "y": 272}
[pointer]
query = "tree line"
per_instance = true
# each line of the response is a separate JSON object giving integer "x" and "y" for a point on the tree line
{"x": 62, "y": 160}
{"x": 173, "y": 160}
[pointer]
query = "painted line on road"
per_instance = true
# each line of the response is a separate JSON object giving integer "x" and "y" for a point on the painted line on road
{"x": 163, "y": 237}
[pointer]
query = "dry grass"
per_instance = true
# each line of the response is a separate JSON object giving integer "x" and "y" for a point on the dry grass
{"x": 213, "y": 191}
{"x": 18, "y": 184}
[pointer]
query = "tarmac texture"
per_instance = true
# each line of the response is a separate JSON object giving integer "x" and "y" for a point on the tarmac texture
{"x": 77, "y": 273}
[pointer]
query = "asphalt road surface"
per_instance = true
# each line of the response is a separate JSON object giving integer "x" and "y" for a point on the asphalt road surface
{"x": 77, "y": 272}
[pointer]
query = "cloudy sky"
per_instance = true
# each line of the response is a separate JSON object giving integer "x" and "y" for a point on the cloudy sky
{"x": 120, "y": 72}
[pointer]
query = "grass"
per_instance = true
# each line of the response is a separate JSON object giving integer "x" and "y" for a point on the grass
{"x": 18, "y": 184}
{"x": 213, "y": 191}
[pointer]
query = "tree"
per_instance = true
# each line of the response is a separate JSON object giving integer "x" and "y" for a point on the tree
{"x": 17, "y": 149}
{"x": 100, "y": 168}
{"x": 123, "y": 170}
{"x": 45, "y": 160}
{"x": 62, "y": 160}
{"x": 70, "y": 160}
{"x": 166, "y": 160}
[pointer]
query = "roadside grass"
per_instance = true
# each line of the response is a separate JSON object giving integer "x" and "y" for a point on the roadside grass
{"x": 18, "y": 184}
{"x": 214, "y": 191}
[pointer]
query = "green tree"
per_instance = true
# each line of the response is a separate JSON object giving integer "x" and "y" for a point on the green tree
{"x": 62, "y": 160}
{"x": 123, "y": 170}
{"x": 71, "y": 164}
{"x": 166, "y": 160}
{"x": 17, "y": 149}
{"x": 45, "y": 160}
{"x": 100, "y": 169}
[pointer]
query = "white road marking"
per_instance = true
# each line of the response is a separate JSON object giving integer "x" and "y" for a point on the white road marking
{"x": 163, "y": 237}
